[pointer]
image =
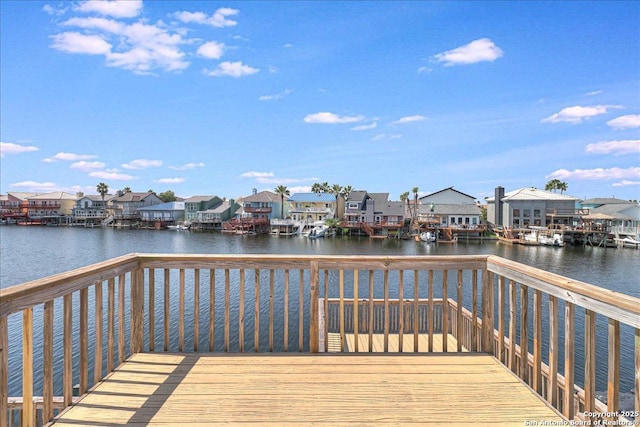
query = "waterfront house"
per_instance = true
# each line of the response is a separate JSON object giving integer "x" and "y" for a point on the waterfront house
{"x": 311, "y": 207}
{"x": 51, "y": 207}
{"x": 619, "y": 217}
{"x": 372, "y": 213}
{"x": 124, "y": 208}
{"x": 451, "y": 208}
{"x": 196, "y": 204}
{"x": 263, "y": 204}
{"x": 525, "y": 207}
{"x": 14, "y": 205}
{"x": 212, "y": 219}
{"x": 162, "y": 214}
{"x": 90, "y": 209}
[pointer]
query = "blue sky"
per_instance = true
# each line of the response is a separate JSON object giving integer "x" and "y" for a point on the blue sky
{"x": 223, "y": 97}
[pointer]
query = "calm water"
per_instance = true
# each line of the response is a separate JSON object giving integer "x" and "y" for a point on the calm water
{"x": 28, "y": 253}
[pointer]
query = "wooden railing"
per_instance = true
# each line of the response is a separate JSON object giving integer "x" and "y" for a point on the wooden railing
{"x": 71, "y": 330}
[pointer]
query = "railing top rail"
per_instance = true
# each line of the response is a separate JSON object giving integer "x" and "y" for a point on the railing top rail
{"x": 38, "y": 291}
{"x": 362, "y": 262}
{"x": 615, "y": 305}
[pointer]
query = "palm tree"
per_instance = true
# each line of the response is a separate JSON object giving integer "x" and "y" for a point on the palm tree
{"x": 556, "y": 184}
{"x": 562, "y": 187}
{"x": 403, "y": 198}
{"x": 346, "y": 190}
{"x": 127, "y": 189}
{"x": 415, "y": 205}
{"x": 316, "y": 188}
{"x": 102, "y": 189}
{"x": 282, "y": 191}
{"x": 336, "y": 190}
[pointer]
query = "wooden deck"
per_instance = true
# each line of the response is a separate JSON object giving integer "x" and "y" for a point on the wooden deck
{"x": 162, "y": 389}
{"x": 394, "y": 343}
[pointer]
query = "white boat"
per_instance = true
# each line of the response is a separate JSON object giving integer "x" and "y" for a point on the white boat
{"x": 541, "y": 236}
{"x": 179, "y": 227}
{"x": 319, "y": 230}
{"x": 627, "y": 242}
{"x": 427, "y": 236}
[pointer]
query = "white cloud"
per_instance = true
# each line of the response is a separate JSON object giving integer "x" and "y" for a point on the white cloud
{"x": 218, "y": 19}
{"x": 211, "y": 50}
{"x": 73, "y": 42}
{"x": 365, "y": 127}
{"x": 288, "y": 45}
{"x": 625, "y": 183}
{"x": 233, "y": 69}
{"x": 11, "y": 148}
{"x": 47, "y": 8}
{"x": 69, "y": 157}
{"x": 331, "y": 118}
{"x": 94, "y": 23}
{"x": 35, "y": 186}
{"x": 629, "y": 121}
{"x": 187, "y": 166}
{"x": 276, "y": 96}
{"x": 425, "y": 69}
{"x": 615, "y": 147}
{"x": 477, "y": 51}
{"x": 578, "y": 113}
{"x": 597, "y": 174}
{"x": 595, "y": 92}
{"x": 409, "y": 119}
{"x": 115, "y": 8}
{"x": 112, "y": 174}
{"x": 254, "y": 174}
{"x": 169, "y": 180}
{"x": 381, "y": 136}
{"x": 142, "y": 164}
{"x": 87, "y": 166}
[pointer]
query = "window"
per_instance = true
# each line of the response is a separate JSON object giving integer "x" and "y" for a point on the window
{"x": 352, "y": 205}
{"x": 527, "y": 213}
{"x": 536, "y": 213}
{"x": 516, "y": 213}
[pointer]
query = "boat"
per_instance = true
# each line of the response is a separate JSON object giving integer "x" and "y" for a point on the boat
{"x": 319, "y": 230}
{"x": 427, "y": 236}
{"x": 541, "y": 236}
{"x": 627, "y": 242}
{"x": 179, "y": 227}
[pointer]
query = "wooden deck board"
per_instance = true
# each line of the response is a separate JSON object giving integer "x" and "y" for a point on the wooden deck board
{"x": 324, "y": 389}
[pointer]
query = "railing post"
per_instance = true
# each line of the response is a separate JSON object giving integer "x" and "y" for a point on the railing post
{"x": 314, "y": 327}
{"x": 137, "y": 311}
{"x": 487, "y": 312}
{"x": 28, "y": 412}
{"x": 4, "y": 370}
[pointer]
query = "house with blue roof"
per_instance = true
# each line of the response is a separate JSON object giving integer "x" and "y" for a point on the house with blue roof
{"x": 311, "y": 207}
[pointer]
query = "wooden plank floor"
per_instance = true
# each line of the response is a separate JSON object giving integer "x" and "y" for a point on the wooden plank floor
{"x": 321, "y": 389}
{"x": 394, "y": 340}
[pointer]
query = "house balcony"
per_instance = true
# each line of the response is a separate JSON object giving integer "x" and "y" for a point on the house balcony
{"x": 257, "y": 210}
{"x": 294, "y": 210}
{"x": 186, "y": 339}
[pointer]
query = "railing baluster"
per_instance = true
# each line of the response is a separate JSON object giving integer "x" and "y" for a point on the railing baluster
{"x": 474, "y": 312}
{"x": 552, "y": 389}
{"x": 537, "y": 341}
{"x": 152, "y": 309}
{"x": 501, "y": 318}
{"x": 111, "y": 323}
{"x": 430, "y": 313}
{"x": 512, "y": 326}
{"x": 400, "y": 310}
{"x": 227, "y": 315}
{"x": 524, "y": 333}
{"x": 569, "y": 348}
{"x": 98, "y": 341}
{"x": 241, "y": 314}
{"x": 67, "y": 381}
{"x": 286, "y": 311}
{"x": 445, "y": 310}
{"x": 121, "y": 329}
{"x": 341, "y": 313}
{"x": 28, "y": 410}
{"x": 314, "y": 318}
{"x": 416, "y": 297}
{"x": 167, "y": 307}
{"x": 181, "y": 298}
{"x": 459, "y": 306}
{"x": 212, "y": 309}
{"x": 590, "y": 362}
{"x": 636, "y": 391}
{"x": 196, "y": 309}
{"x": 47, "y": 362}
{"x": 613, "y": 371}
{"x": 371, "y": 311}
{"x": 386, "y": 310}
{"x": 271, "y": 308}
{"x": 4, "y": 370}
{"x": 84, "y": 340}
{"x": 256, "y": 312}
{"x": 326, "y": 311}
{"x": 301, "y": 314}
{"x": 487, "y": 312}
{"x": 356, "y": 324}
